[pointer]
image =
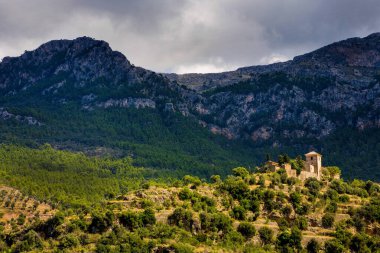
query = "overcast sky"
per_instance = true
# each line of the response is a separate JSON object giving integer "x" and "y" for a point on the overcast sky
{"x": 189, "y": 36}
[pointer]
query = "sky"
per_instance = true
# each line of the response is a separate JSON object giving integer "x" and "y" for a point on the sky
{"x": 189, "y": 36}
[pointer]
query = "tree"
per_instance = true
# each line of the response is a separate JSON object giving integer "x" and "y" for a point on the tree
{"x": 262, "y": 181}
{"x": 185, "y": 194}
{"x": 295, "y": 198}
{"x": 313, "y": 185}
{"x": 328, "y": 220}
{"x": 236, "y": 187}
{"x": 191, "y": 180}
{"x": 246, "y": 229}
{"x": 240, "y": 172}
{"x": 359, "y": 243}
{"x": 287, "y": 210}
{"x": 239, "y": 213}
{"x": 100, "y": 223}
{"x": 334, "y": 246}
{"x": 296, "y": 238}
{"x": 21, "y": 219}
{"x": 216, "y": 179}
{"x": 301, "y": 222}
{"x": 333, "y": 171}
{"x": 68, "y": 241}
{"x": 30, "y": 240}
{"x": 313, "y": 246}
{"x": 332, "y": 207}
{"x": 266, "y": 235}
{"x": 130, "y": 220}
{"x": 182, "y": 218}
{"x": 148, "y": 218}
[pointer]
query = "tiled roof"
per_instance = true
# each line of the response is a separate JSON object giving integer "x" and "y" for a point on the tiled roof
{"x": 312, "y": 153}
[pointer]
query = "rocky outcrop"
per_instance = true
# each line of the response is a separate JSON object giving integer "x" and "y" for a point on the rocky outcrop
{"x": 5, "y": 115}
{"x": 310, "y": 96}
{"x": 128, "y": 102}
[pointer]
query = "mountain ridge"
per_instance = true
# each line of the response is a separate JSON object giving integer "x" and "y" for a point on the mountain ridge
{"x": 293, "y": 106}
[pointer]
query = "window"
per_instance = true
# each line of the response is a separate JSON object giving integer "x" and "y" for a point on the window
{"x": 311, "y": 158}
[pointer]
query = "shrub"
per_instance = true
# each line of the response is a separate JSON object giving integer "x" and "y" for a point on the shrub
{"x": 359, "y": 243}
{"x": 332, "y": 207}
{"x": 233, "y": 238}
{"x": 21, "y": 219}
{"x": 313, "y": 185}
{"x": 333, "y": 171}
{"x": 49, "y": 228}
{"x": 261, "y": 181}
{"x": 148, "y": 218}
{"x": 332, "y": 194}
{"x": 289, "y": 240}
{"x": 328, "y": 220}
{"x": 182, "y": 218}
{"x": 266, "y": 235}
{"x": 282, "y": 224}
{"x": 343, "y": 235}
{"x": 295, "y": 198}
{"x": 130, "y": 220}
{"x": 191, "y": 180}
{"x": 239, "y": 213}
{"x": 301, "y": 223}
{"x": 334, "y": 246}
{"x": 216, "y": 179}
{"x": 236, "y": 187}
{"x": 344, "y": 198}
{"x": 30, "y": 241}
{"x": 215, "y": 222}
{"x": 182, "y": 248}
{"x": 313, "y": 246}
{"x": 286, "y": 210}
{"x": 246, "y": 229}
{"x": 240, "y": 172}
{"x": 185, "y": 194}
{"x": 68, "y": 241}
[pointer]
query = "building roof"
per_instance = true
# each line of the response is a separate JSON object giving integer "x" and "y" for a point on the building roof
{"x": 272, "y": 163}
{"x": 312, "y": 153}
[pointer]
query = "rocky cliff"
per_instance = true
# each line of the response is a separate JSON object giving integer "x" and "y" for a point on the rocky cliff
{"x": 309, "y": 96}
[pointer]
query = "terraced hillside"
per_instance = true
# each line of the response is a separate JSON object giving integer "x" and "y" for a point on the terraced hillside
{"x": 245, "y": 212}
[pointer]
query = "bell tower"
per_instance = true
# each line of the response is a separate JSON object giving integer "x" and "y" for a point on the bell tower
{"x": 314, "y": 163}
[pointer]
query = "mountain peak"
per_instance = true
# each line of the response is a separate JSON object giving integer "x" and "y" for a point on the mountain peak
{"x": 355, "y": 52}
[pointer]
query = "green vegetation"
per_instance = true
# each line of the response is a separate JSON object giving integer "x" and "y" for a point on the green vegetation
{"x": 68, "y": 178}
{"x": 164, "y": 141}
{"x": 71, "y": 202}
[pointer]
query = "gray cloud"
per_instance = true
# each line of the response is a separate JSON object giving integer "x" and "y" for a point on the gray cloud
{"x": 189, "y": 35}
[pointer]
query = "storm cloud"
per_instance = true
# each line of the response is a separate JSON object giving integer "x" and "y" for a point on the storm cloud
{"x": 189, "y": 36}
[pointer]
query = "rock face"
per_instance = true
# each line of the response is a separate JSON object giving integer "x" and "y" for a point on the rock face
{"x": 5, "y": 115}
{"x": 308, "y": 97}
{"x": 82, "y": 70}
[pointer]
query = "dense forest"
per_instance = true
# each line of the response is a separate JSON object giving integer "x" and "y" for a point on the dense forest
{"x": 169, "y": 141}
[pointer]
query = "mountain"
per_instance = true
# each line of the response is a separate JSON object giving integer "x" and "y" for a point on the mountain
{"x": 81, "y": 95}
{"x": 314, "y": 94}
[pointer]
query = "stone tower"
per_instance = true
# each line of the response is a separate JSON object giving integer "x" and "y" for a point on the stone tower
{"x": 314, "y": 163}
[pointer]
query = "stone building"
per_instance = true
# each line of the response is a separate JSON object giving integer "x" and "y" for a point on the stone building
{"x": 312, "y": 167}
